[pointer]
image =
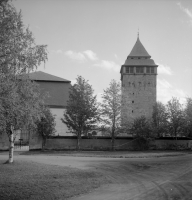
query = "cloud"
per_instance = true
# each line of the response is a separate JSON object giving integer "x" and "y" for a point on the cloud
{"x": 165, "y": 91}
{"x": 80, "y": 56}
{"x": 164, "y": 69}
{"x": 186, "y": 11}
{"x": 75, "y": 56}
{"x": 90, "y": 55}
{"x": 110, "y": 65}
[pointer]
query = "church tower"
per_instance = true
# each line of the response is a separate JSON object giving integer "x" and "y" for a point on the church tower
{"x": 138, "y": 78}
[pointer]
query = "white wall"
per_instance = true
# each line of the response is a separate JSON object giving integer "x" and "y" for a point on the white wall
{"x": 61, "y": 128}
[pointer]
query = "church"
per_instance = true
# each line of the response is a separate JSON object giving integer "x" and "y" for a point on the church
{"x": 139, "y": 80}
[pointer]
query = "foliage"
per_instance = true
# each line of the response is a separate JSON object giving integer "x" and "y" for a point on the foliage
{"x": 18, "y": 51}
{"x": 176, "y": 119}
{"x": 46, "y": 124}
{"x": 82, "y": 110}
{"x": 188, "y": 117}
{"x": 160, "y": 119}
{"x": 111, "y": 109}
{"x": 141, "y": 128}
{"x": 20, "y": 99}
{"x": 142, "y": 131}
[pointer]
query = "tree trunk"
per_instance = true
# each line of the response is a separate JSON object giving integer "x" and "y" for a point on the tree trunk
{"x": 113, "y": 140}
{"x": 11, "y": 146}
{"x": 78, "y": 141}
{"x": 43, "y": 144}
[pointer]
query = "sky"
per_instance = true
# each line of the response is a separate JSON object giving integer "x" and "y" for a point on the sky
{"x": 92, "y": 39}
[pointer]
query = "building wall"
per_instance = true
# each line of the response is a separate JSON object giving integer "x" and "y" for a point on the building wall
{"x": 4, "y": 141}
{"x": 61, "y": 128}
{"x": 139, "y": 93}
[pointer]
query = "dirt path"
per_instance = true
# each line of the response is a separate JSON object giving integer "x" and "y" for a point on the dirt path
{"x": 152, "y": 178}
{"x": 145, "y": 179}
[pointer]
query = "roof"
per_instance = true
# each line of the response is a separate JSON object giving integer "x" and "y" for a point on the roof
{"x": 140, "y": 62}
{"x": 58, "y": 92}
{"x": 42, "y": 76}
{"x": 139, "y": 56}
{"x": 139, "y": 50}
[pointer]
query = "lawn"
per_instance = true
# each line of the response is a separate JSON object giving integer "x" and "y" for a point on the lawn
{"x": 24, "y": 180}
{"x": 96, "y": 175}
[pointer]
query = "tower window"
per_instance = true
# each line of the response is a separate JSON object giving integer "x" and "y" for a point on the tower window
{"x": 150, "y": 70}
{"x": 127, "y": 69}
{"x": 132, "y": 111}
{"x": 130, "y": 70}
{"x": 139, "y": 70}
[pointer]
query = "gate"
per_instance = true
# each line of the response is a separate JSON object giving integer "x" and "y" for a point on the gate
{"x": 21, "y": 145}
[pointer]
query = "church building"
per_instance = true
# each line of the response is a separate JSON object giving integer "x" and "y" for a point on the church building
{"x": 139, "y": 80}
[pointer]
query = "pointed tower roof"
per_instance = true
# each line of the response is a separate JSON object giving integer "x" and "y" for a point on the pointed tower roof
{"x": 139, "y": 50}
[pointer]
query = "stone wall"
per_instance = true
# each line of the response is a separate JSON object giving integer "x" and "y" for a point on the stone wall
{"x": 64, "y": 143}
{"x": 139, "y": 92}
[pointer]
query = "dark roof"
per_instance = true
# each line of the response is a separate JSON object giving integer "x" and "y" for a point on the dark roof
{"x": 42, "y": 76}
{"x": 139, "y": 50}
{"x": 140, "y": 62}
{"x": 58, "y": 92}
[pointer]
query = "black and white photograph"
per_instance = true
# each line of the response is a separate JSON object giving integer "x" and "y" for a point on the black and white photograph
{"x": 95, "y": 99}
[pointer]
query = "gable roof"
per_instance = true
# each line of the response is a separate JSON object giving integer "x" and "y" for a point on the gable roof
{"x": 139, "y": 50}
{"x": 42, "y": 76}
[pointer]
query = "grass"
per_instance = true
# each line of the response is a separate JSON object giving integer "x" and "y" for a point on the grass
{"x": 32, "y": 181}
{"x": 111, "y": 154}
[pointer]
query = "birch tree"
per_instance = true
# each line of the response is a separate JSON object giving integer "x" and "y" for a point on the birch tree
{"x": 81, "y": 114}
{"x": 20, "y": 99}
{"x": 111, "y": 110}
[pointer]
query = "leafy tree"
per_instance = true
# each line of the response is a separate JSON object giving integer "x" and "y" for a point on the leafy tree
{"x": 175, "y": 116}
{"x": 20, "y": 99}
{"x": 160, "y": 119}
{"x": 111, "y": 110}
{"x": 141, "y": 130}
{"x": 46, "y": 125}
{"x": 82, "y": 110}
